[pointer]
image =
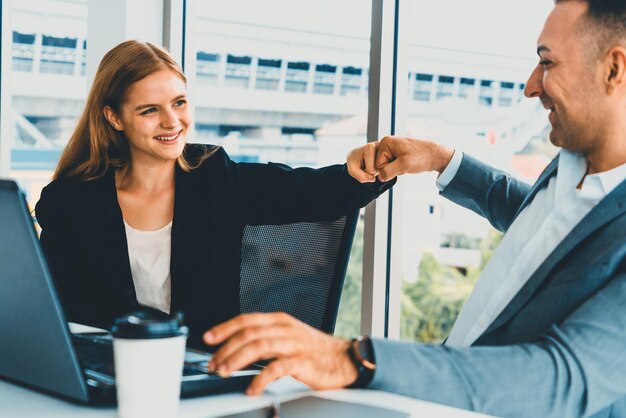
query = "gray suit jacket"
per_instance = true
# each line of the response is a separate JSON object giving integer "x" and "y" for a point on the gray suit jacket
{"x": 559, "y": 348}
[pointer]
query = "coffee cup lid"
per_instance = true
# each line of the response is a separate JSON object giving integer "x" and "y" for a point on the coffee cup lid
{"x": 149, "y": 323}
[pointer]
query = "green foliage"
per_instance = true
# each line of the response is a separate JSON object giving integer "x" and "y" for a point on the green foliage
{"x": 429, "y": 306}
{"x": 457, "y": 240}
{"x": 349, "y": 316}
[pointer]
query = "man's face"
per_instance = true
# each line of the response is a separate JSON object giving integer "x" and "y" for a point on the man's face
{"x": 567, "y": 81}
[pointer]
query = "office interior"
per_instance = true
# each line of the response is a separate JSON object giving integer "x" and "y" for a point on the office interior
{"x": 302, "y": 83}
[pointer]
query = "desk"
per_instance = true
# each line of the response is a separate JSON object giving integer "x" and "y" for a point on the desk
{"x": 16, "y": 401}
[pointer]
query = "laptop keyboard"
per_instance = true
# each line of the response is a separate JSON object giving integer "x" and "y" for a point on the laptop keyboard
{"x": 96, "y": 353}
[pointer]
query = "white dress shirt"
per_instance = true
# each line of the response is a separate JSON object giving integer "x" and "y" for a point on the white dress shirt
{"x": 536, "y": 232}
{"x": 149, "y": 253}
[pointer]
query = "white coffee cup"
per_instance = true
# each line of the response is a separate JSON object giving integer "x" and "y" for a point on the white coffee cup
{"x": 149, "y": 354}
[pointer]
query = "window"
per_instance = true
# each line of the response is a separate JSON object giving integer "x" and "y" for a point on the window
{"x": 486, "y": 92}
{"x": 297, "y": 77}
{"x": 423, "y": 87}
{"x": 445, "y": 247}
{"x": 59, "y": 55}
{"x": 268, "y": 74}
{"x": 238, "y": 71}
{"x": 351, "y": 81}
{"x": 445, "y": 86}
{"x": 506, "y": 94}
{"x": 207, "y": 67}
{"x": 467, "y": 87}
{"x": 325, "y": 76}
{"x": 47, "y": 86}
{"x": 23, "y": 51}
{"x": 293, "y": 91}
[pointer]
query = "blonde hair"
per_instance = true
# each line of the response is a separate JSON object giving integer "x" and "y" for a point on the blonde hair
{"x": 95, "y": 145}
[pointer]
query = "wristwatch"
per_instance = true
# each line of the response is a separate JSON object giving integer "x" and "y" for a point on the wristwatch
{"x": 361, "y": 352}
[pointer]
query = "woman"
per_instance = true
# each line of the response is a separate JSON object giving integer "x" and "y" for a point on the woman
{"x": 135, "y": 215}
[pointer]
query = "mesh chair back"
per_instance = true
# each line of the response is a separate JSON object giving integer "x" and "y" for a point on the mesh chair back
{"x": 297, "y": 268}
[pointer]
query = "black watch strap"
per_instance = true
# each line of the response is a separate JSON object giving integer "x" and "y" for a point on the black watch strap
{"x": 361, "y": 353}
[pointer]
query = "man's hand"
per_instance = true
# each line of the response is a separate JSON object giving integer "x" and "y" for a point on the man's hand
{"x": 361, "y": 161}
{"x": 310, "y": 356}
{"x": 396, "y": 155}
{"x": 300, "y": 351}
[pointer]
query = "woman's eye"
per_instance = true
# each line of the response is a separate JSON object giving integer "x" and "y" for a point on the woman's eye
{"x": 149, "y": 111}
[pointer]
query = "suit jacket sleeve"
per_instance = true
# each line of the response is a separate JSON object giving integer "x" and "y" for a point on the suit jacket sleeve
{"x": 277, "y": 194}
{"x": 491, "y": 193}
{"x": 576, "y": 369}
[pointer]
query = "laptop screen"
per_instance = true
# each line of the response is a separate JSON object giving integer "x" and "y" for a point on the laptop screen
{"x": 35, "y": 345}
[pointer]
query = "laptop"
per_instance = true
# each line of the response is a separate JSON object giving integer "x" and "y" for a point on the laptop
{"x": 38, "y": 350}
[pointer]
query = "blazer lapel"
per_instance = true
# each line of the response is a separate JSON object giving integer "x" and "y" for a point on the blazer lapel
{"x": 113, "y": 241}
{"x": 182, "y": 229}
{"x": 612, "y": 206}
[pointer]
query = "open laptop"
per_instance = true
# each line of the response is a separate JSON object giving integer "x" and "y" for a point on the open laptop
{"x": 37, "y": 348}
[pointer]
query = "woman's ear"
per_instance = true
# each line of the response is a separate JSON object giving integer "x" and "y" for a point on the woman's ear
{"x": 112, "y": 118}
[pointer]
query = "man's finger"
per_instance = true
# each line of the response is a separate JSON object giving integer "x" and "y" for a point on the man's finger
{"x": 275, "y": 370}
{"x": 391, "y": 170}
{"x": 383, "y": 157}
{"x": 260, "y": 349}
{"x": 221, "y": 332}
{"x": 244, "y": 337}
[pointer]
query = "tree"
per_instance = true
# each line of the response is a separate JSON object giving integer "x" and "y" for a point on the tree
{"x": 429, "y": 306}
{"x": 349, "y": 316}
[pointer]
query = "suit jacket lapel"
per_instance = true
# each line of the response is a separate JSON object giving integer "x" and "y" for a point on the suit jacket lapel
{"x": 612, "y": 206}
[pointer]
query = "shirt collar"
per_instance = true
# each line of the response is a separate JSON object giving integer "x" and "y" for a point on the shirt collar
{"x": 612, "y": 178}
{"x": 572, "y": 168}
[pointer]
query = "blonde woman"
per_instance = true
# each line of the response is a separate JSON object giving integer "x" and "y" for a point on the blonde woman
{"x": 136, "y": 215}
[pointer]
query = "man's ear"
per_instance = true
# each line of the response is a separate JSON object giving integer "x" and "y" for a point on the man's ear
{"x": 112, "y": 118}
{"x": 616, "y": 68}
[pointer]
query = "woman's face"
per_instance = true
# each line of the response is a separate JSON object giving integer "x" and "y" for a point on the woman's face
{"x": 154, "y": 118}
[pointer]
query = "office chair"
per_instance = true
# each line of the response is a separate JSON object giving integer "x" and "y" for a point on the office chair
{"x": 297, "y": 268}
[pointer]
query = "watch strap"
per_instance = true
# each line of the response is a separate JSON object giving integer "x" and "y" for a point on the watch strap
{"x": 361, "y": 352}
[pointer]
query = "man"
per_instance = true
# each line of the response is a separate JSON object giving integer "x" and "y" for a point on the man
{"x": 544, "y": 332}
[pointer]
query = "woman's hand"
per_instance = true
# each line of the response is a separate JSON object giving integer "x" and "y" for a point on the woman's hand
{"x": 361, "y": 163}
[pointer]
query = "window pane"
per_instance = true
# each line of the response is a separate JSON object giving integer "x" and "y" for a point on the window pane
{"x": 467, "y": 93}
{"x": 286, "y": 81}
{"x": 47, "y": 85}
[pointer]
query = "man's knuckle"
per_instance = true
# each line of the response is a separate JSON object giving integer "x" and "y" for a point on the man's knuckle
{"x": 263, "y": 346}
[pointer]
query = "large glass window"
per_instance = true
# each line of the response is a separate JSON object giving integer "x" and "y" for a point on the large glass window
{"x": 466, "y": 76}
{"x": 47, "y": 85}
{"x": 285, "y": 81}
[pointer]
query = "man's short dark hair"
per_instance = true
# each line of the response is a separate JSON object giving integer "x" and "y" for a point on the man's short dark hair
{"x": 605, "y": 24}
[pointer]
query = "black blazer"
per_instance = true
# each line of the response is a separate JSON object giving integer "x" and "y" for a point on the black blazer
{"x": 84, "y": 239}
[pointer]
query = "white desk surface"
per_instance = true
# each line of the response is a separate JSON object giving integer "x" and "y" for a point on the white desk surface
{"x": 17, "y": 401}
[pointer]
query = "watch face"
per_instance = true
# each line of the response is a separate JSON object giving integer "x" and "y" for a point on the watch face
{"x": 366, "y": 352}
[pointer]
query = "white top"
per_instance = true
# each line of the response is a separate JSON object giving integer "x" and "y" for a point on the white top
{"x": 149, "y": 253}
{"x": 536, "y": 232}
